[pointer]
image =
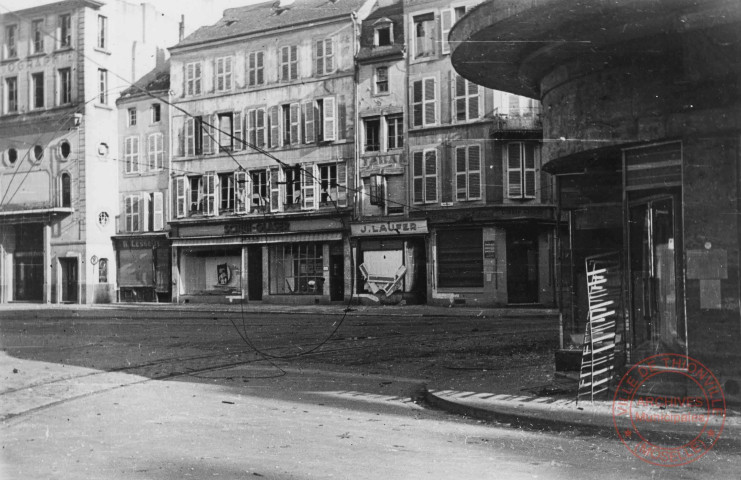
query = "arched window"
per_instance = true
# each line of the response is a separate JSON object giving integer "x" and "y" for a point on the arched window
{"x": 66, "y": 190}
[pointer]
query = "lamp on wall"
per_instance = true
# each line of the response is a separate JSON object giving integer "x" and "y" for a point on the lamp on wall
{"x": 77, "y": 120}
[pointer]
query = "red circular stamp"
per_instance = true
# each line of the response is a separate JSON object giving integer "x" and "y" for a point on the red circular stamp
{"x": 673, "y": 428}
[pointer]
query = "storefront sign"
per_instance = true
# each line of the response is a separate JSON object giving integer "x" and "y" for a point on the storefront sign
{"x": 490, "y": 249}
{"x": 140, "y": 243}
{"x": 249, "y": 228}
{"x": 36, "y": 62}
{"x": 389, "y": 228}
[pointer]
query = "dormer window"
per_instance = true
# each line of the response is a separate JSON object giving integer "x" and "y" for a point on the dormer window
{"x": 383, "y": 32}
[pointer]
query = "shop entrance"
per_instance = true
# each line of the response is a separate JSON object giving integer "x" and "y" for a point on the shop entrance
{"x": 522, "y": 265}
{"x": 28, "y": 273}
{"x": 657, "y": 320}
{"x": 68, "y": 268}
{"x": 254, "y": 272}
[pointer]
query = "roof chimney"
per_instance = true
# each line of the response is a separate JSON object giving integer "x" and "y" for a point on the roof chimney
{"x": 181, "y": 28}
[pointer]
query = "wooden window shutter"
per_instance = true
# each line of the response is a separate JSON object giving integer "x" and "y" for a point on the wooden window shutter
{"x": 418, "y": 176}
{"x": 430, "y": 102}
{"x": 275, "y": 174}
{"x": 446, "y": 22}
{"x": 461, "y": 174}
{"x": 330, "y": 119}
{"x": 181, "y": 196}
{"x": 430, "y": 176}
{"x": 250, "y": 127}
{"x": 329, "y": 55}
{"x": 190, "y": 146}
{"x": 309, "y": 135}
{"x": 474, "y": 172}
{"x": 238, "y": 131}
{"x": 274, "y": 126}
{"x": 319, "y": 55}
{"x": 474, "y": 93}
{"x": 144, "y": 212}
{"x": 260, "y": 127}
{"x": 342, "y": 184}
{"x": 514, "y": 170}
{"x": 252, "y": 69}
{"x": 529, "y": 171}
{"x": 294, "y": 62}
{"x": 210, "y": 184}
{"x": 295, "y": 114}
{"x": 158, "y": 212}
{"x": 417, "y": 106}
{"x": 308, "y": 186}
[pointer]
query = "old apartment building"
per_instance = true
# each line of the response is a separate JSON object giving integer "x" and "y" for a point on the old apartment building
{"x": 263, "y": 164}
{"x": 141, "y": 242}
{"x": 474, "y": 172}
{"x": 63, "y": 65}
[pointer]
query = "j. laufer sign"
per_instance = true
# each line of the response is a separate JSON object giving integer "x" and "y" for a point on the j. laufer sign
{"x": 389, "y": 228}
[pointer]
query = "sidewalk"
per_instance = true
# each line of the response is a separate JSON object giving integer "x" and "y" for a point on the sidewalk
{"x": 333, "y": 309}
{"x": 564, "y": 413}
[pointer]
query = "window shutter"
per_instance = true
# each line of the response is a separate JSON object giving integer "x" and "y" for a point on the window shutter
{"x": 260, "y": 64}
{"x": 181, "y": 196}
{"x": 461, "y": 176}
{"x": 206, "y": 135}
{"x": 295, "y": 111}
{"x": 320, "y": 57}
{"x": 136, "y": 154}
{"x": 220, "y": 74}
{"x": 188, "y": 74}
{"x": 127, "y": 155}
{"x": 128, "y": 212}
{"x": 308, "y": 108}
{"x": 514, "y": 170}
{"x": 330, "y": 119}
{"x": 529, "y": 171}
{"x": 209, "y": 194}
{"x": 430, "y": 176}
{"x": 474, "y": 172}
{"x": 329, "y": 55}
{"x": 474, "y": 93}
{"x": 342, "y": 184}
{"x": 446, "y": 21}
{"x": 274, "y": 127}
{"x": 161, "y": 151}
{"x": 250, "y": 127}
{"x": 144, "y": 211}
{"x": 513, "y": 105}
{"x": 190, "y": 136}
{"x": 251, "y": 68}
{"x": 151, "y": 151}
{"x": 308, "y": 186}
{"x": 459, "y": 94}
{"x": 294, "y": 62}
{"x": 275, "y": 197}
{"x": 197, "y": 79}
{"x": 228, "y": 73}
{"x": 417, "y": 109}
{"x": 238, "y": 129}
{"x": 430, "y": 102}
{"x": 418, "y": 175}
{"x": 242, "y": 189}
{"x": 260, "y": 127}
{"x": 284, "y": 63}
{"x": 158, "y": 222}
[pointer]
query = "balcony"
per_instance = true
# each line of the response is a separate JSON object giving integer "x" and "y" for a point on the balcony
{"x": 525, "y": 119}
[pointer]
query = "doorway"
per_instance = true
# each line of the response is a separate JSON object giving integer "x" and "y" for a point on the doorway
{"x": 28, "y": 274}
{"x": 68, "y": 269}
{"x": 254, "y": 272}
{"x": 336, "y": 277}
{"x": 522, "y": 265}
{"x": 656, "y": 296}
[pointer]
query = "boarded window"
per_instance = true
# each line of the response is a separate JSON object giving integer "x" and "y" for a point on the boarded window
{"x": 460, "y": 258}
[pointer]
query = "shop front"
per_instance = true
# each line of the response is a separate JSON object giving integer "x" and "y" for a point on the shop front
{"x": 273, "y": 261}
{"x": 143, "y": 268}
{"x": 391, "y": 261}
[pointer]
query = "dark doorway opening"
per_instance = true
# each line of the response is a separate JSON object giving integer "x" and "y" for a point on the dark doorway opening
{"x": 522, "y": 265}
{"x": 69, "y": 279}
{"x": 254, "y": 272}
{"x": 336, "y": 277}
{"x": 29, "y": 277}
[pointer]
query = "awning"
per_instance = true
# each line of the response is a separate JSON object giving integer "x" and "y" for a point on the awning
{"x": 258, "y": 239}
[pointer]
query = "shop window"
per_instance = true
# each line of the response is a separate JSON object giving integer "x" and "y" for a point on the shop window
{"x": 11, "y": 94}
{"x": 372, "y": 134}
{"x": 288, "y": 63}
{"x": 226, "y": 190}
{"x": 103, "y": 270}
{"x": 155, "y": 111}
{"x": 424, "y": 171}
{"x": 466, "y": 97}
{"x": 424, "y": 35}
{"x": 223, "y": 74}
{"x": 324, "y": 56}
{"x": 37, "y": 87}
{"x": 394, "y": 131}
{"x": 382, "y": 80}
{"x": 256, "y": 69}
{"x": 64, "y": 86}
{"x": 468, "y": 172}
{"x": 11, "y": 41}
{"x": 65, "y": 188}
{"x": 193, "y": 78}
{"x": 521, "y": 177}
{"x": 132, "y": 116}
{"x": 460, "y": 258}
{"x": 37, "y": 36}
{"x": 256, "y": 124}
{"x": 424, "y": 102}
{"x": 296, "y": 269}
{"x": 156, "y": 151}
{"x": 131, "y": 155}
{"x": 64, "y": 30}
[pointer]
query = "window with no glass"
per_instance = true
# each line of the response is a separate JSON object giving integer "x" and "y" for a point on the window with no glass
{"x": 424, "y": 35}
{"x": 372, "y": 134}
{"x": 37, "y": 36}
{"x": 64, "y": 30}
{"x": 64, "y": 82}
{"x": 382, "y": 80}
{"x": 11, "y": 47}
{"x": 11, "y": 94}
{"x": 102, "y": 32}
{"x": 37, "y": 87}
{"x": 156, "y": 112}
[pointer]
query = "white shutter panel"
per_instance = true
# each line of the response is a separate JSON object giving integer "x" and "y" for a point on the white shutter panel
{"x": 228, "y": 73}
{"x": 430, "y": 101}
{"x": 181, "y": 196}
{"x": 197, "y": 79}
{"x": 514, "y": 170}
{"x": 158, "y": 222}
{"x": 190, "y": 145}
{"x": 308, "y": 191}
{"x": 295, "y": 113}
{"x": 210, "y": 184}
{"x": 238, "y": 129}
{"x": 260, "y": 127}
{"x": 446, "y": 22}
{"x": 342, "y": 184}
{"x": 144, "y": 212}
{"x": 251, "y": 69}
{"x": 330, "y": 119}
{"x": 274, "y": 127}
{"x": 329, "y": 55}
{"x": 308, "y": 107}
{"x": 249, "y": 121}
{"x": 474, "y": 172}
{"x": 461, "y": 177}
{"x": 276, "y": 177}
{"x": 430, "y": 176}
{"x": 319, "y": 53}
{"x": 529, "y": 171}
{"x": 418, "y": 176}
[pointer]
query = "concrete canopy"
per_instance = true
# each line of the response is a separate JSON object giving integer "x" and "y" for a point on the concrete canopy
{"x": 511, "y": 45}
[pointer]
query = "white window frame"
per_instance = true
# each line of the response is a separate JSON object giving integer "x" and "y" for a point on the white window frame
{"x": 324, "y": 62}
{"x": 256, "y": 68}
{"x": 376, "y": 90}
{"x": 193, "y": 78}
{"x": 131, "y": 116}
{"x": 132, "y": 211}
{"x": 465, "y": 173}
{"x": 155, "y": 151}
{"x": 425, "y": 177}
{"x": 466, "y": 98}
{"x": 181, "y": 196}
{"x": 131, "y": 154}
{"x": 158, "y": 211}
{"x": 223, "y": 74}
{"x": 103, "y": 86}
{"x": 425, "y": 101}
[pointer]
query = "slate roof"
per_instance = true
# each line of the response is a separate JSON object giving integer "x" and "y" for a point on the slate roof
{"x": 264, "y": 17}
{"x": 368, "y": 50}
{"x": 157, "y": 79}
